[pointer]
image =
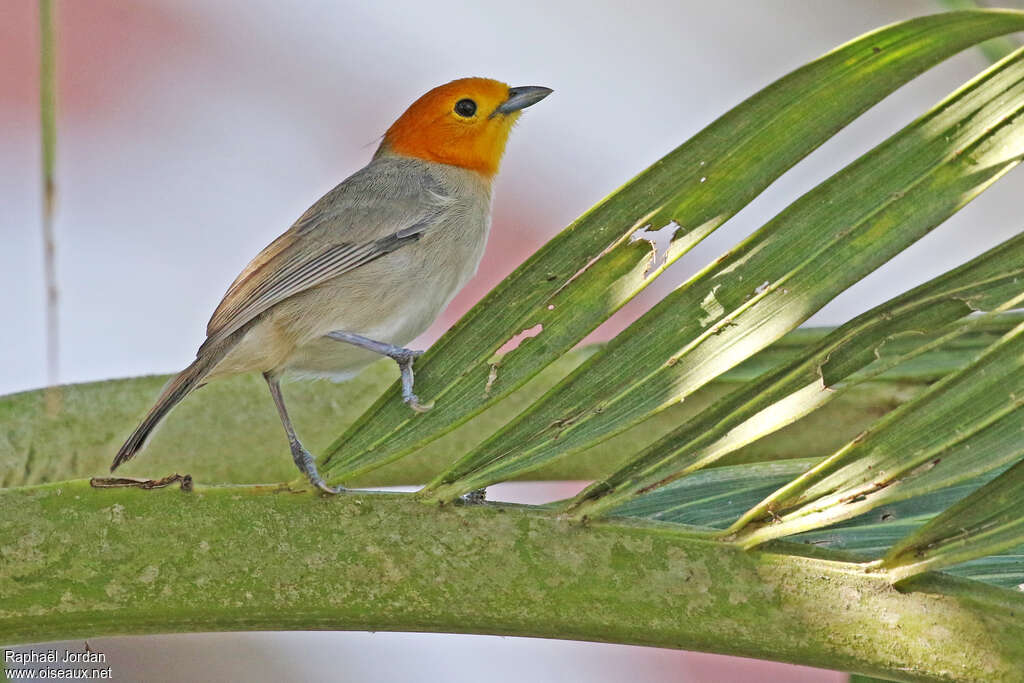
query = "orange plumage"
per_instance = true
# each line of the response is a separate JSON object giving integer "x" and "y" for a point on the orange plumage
{"x": 431, "y": 129}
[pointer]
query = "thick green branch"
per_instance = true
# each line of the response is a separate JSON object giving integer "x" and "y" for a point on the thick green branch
{"x": 81, "y": 562}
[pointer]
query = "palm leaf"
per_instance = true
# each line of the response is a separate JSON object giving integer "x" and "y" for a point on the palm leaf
{"x": 35, "y": 448}
{"x": 987, "y": 521}
{"x": 964, "y": 425}
{"x": 993, "y": 281}
{"x": 715, "y": 498}
{"x": 821, "y": 244}
{"x": 592, "y": 268}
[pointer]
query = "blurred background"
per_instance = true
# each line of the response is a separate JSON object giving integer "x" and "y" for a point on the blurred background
{"x": 191, "y": 133}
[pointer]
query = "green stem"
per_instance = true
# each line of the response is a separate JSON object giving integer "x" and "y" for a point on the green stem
{"x": 48, "y": 125}
{"x": 80, "y": 562}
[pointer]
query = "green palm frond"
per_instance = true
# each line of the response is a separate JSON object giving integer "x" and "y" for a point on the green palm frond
{"x": 592, "y": 268}
{"x": 927, "y": 317}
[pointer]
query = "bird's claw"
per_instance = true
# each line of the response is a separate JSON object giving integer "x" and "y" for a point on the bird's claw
{"x": 475, "y": 497}
{"x": 413, "y": 402}
{"x": 405, "y": 356}
{"x": 405, "y": 359}
{"x": 307, "y": 464}
{"x": 332, "y": 490}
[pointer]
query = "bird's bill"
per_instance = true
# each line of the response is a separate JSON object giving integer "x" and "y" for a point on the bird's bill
{"x": 522, "y": 97}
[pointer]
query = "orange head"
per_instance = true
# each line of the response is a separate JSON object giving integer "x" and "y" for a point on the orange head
{"x": 464, "y": 123}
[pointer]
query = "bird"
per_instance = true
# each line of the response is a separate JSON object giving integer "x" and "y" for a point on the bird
{"x": 369, "y": 266}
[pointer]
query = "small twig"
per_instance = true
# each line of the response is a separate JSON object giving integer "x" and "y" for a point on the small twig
{"x": 135, "y": 482}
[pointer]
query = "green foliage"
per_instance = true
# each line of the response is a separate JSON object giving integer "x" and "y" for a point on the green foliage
{"x": 987, "y": 521}
{"x": 966, "y": 424}
{"x": 593, "y": 267}
{"x": 863, "y": 348}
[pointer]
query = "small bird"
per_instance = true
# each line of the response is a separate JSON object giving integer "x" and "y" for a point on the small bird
{"x": 370, "y": 265}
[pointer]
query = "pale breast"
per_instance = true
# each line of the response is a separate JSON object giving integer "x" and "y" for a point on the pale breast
{"x": 396, "y": 297}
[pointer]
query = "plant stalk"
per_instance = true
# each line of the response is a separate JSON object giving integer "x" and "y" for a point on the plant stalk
{"x": 82, "y": 562}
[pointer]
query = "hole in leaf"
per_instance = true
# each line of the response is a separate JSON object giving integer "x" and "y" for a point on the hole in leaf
{"x": 660, "y": 241}
{"x": 513, "y": 343}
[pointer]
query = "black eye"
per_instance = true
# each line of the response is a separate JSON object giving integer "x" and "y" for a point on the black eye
{"x": 465, "y": 107}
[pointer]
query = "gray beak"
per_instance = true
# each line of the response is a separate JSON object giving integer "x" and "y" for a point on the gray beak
{"x": 522, "y": 97}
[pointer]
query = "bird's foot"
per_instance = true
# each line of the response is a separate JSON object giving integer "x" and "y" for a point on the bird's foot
{"x": 475, "y": 497}
{"x": 306, "y": 463}
{"x": 413, "y": 402}
{"x": 404, "y": 358}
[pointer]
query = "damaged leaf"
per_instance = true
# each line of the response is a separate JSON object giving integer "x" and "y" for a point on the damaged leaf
{"x": 925, "y": 318}
{"x": 966, "y": 424}
{"x": 714, "y": 498}
{"x": 986, "y": 522}
{"x": 821, "y": 244}
{"x": 568, "y": 289}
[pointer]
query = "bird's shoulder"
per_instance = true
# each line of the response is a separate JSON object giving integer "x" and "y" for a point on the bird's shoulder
{"x": 387, "y": 192}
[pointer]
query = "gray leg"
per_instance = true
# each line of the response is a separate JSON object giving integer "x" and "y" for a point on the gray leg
{"x": 303, "y": 459}
{"x": 404, "y": 358}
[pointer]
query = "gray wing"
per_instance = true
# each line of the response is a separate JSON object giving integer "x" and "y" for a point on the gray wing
{"x": 366, "y": 217}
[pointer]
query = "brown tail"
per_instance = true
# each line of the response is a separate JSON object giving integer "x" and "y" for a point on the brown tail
{"x": 178, "y": 388}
